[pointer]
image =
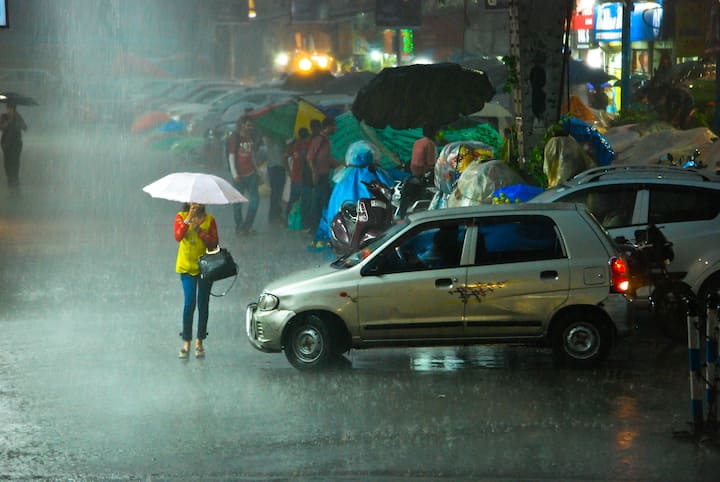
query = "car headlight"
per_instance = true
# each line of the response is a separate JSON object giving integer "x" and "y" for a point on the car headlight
{"x": 267, "y": 302}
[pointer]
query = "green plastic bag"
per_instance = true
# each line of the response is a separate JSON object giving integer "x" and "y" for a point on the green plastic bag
{"x": 295, "y": 217}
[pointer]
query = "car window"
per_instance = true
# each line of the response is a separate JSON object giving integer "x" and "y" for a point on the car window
{"x": 670, "y": 204}
{"x": 612, "y": 206}
{"x": 435, "y": 245}
{"x": 351, "y": 259}
{"x": 510, "y": 239}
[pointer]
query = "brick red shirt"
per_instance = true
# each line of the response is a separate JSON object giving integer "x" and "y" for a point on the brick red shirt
{"x": 424, "y": 155}
{"x": 319, "y": 153}
{"x": 242, "y": 146}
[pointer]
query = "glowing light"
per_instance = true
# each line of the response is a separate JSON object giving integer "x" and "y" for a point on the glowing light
{"x": 322, "y": 61}
{"x": 305, "y": 64}
{"x": 282, "y": 59}
{"x": 376, "y": 55}
{"x": 595, "y": 58}
{"x": 423, "y": 60}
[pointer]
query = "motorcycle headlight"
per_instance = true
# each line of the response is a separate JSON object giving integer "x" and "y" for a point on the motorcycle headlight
{"x": 267, "y": 302}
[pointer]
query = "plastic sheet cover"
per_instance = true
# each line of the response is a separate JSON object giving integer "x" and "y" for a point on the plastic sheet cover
{"x": 564, "y": 158}
{"x": 479, "y": 180}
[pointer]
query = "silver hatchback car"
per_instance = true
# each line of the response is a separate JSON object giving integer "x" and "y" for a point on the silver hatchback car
{"x": 524, "y": 274}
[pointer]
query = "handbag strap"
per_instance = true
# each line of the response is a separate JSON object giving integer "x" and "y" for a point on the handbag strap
{"x": 237, "y": 271}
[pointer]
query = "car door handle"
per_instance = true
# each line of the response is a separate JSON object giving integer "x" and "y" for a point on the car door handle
{"x": 549, "y": 275}
{"x": 445, "y": 282}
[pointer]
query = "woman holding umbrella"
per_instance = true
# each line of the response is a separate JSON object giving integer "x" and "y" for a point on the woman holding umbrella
{"x": 12, "y": 125}
{"x": 195, "y": 231}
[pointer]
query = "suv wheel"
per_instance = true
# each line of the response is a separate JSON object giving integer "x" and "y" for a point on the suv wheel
{"x": 581, "y": 339}
{"x": 308, "y": 344}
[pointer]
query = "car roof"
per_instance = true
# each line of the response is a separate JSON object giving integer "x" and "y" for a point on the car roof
{"x": 632, "y": 172}
{"x": 484, "y": 209}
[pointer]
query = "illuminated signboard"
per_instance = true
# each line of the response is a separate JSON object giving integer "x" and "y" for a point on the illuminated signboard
{"x": 3, "y": 13}
{"x": 645, "y": 22}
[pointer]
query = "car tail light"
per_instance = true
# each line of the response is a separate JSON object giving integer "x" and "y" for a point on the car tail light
{"x": 620, "y": 276}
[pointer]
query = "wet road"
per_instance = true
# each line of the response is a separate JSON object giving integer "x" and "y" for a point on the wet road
{"x": 91, "y": 388}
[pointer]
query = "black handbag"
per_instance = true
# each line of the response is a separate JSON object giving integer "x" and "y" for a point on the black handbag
{"x": 217, "y": 264}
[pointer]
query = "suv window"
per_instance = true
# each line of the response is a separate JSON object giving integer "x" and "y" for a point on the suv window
{"x": 612, "y": 206}
{"x": 512, "y": 239}
{"x": 677, "y": 204}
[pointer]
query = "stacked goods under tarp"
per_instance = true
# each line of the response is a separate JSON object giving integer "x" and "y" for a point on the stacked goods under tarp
{"x": 564, "y": 157}
{"x": 480, "y": 180}
{"x": 395, "y": 146}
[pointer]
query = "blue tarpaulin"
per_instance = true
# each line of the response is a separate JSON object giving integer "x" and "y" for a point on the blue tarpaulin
{"x": 600, "y": 148}
{"x": 521, "y": 192}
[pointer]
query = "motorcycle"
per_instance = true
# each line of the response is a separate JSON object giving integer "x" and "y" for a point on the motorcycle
{"x": 357, "y": 223}
{"x": 669, "y": 295}
{"x": 413, "y": 194}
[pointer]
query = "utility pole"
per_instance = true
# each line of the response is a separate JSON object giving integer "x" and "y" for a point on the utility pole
{"x": 628, "y": 7}
{"x": 517, "y": 89}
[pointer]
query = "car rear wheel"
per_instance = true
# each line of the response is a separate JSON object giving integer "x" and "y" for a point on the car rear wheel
{"x": 581, "y": 339}
{"x": 308, "y": 344}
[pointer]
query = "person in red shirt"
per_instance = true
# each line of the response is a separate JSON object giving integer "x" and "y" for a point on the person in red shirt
{"x": 300, "y": 190}
{"x": 424, "y": 152}
{"x": 320, "y": 162}
{"x": 422, "y": 163}
{"x": 241, "y": 151}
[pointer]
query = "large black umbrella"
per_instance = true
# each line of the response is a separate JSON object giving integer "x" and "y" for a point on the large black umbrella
{"x": 582, "y": 73}
{"x": 417, "y": 95}
{"x": 16, "y": 99}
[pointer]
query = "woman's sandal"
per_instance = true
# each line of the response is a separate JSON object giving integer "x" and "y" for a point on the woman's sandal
{"x": 183, "y": 353}
{"x": 199, "y": 352}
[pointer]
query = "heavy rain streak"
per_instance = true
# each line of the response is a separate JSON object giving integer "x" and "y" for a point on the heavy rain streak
{"x": 91, "y": 305}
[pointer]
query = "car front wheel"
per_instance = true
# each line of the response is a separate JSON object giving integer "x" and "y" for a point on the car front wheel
{"x": 308, "y": 344}
{"x": 581, "y": 339}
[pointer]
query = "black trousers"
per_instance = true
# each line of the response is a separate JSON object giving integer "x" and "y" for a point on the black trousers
{"x": 11, "y": 156}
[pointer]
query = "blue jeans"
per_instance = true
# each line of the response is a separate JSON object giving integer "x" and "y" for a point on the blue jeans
{"x": 248, "y": 186}
{"x": 195, "y": 288}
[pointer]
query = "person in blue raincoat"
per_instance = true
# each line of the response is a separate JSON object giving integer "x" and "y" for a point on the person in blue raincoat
{"x": 359, "y": 158}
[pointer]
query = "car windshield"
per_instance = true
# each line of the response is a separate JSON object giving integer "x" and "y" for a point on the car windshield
{"x": 352, "y": 259}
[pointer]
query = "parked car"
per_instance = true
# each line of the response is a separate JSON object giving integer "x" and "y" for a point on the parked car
{"x": 683, "y": 203}
{"x": 521, "y": 273}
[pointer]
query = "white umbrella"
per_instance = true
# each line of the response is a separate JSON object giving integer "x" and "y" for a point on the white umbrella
{"x": 195, "y": 187}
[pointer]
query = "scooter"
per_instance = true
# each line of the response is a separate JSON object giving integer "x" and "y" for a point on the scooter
{"x": 648, "y": 260}
{"x": 358, "y": 223}
{"x": 413, "y": 194}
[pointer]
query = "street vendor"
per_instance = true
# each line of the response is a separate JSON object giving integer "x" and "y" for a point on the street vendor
{"x": 424, "y": 152}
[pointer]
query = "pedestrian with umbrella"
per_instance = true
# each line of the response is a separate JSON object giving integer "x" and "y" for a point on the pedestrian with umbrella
{"x": 196, "y": 232}
{"x": 12, "y": 124}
